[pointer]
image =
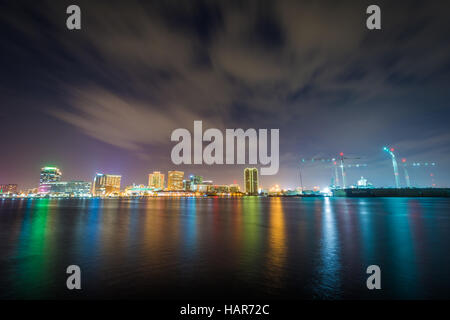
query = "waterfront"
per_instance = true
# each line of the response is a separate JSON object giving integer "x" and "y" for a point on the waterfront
{"x": 281, "y": 248}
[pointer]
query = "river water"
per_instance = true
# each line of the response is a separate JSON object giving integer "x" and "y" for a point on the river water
{"x": 250, "y": 248}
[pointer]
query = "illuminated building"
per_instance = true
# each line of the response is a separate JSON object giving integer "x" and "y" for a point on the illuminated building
{"x": 8, "y": 188}
{"x": 156, "y": 180}
{"x": 275, "y": 190}
{"x": 290, "y": 192}
{"x": 202, "y": 188}
{"x": 218, "y": 189}
{"x": 186, "y": 185}
{"x": 69, "y": 189}
{"x": 251, "y": 181}
{"x": 79, "y": 188}
{"x": 189, "y": 185}
{"x": 175, "y": 180}
{"x": 138, "y": 190}
{"x": 32, "y": 191}
{"x": 106, "y": 185}
{"x": 49, "y": 175}
{"x": 196, "y": 179}
{"x": 362, "y": 182}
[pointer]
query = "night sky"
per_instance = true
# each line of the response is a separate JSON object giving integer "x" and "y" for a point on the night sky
{"x": 107, "y": 97}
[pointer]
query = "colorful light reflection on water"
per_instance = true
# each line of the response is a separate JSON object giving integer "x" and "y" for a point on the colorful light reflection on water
{"x": 292, "y": 248}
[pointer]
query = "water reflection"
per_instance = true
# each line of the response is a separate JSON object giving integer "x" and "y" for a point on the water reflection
{"x": 190, "y": 227}
{"x": 34, "y": 241}
{"x": 328, "y": 285}
{"x": 367, "y": 236}
{"x": 277, "y": 243}
{"x": 251, "y": 245}
{"x": 213, "y": 247}
{"x": 403, "y": 264}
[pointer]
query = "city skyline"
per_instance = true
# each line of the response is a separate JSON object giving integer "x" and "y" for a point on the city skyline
{"x": 89, "y": 105}
{"x": 225, "y": 157}
{"x": 423, "y": 171}
{"x": 50, "y": 179}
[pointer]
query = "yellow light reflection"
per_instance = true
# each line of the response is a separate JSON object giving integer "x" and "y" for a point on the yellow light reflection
{"x": 277, "y": 240}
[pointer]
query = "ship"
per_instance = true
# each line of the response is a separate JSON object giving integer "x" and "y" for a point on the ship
{"x": 392, "y": 192}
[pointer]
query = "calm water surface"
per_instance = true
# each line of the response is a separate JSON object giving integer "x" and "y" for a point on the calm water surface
{"x": 189, "y": 248}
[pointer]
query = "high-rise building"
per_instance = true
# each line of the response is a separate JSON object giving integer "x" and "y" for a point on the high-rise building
{"x": 251, "y": 181}
{"x": 156, "y": 180}
{"x": 189, "y": 185}
{"x": 106, "y": 184}
{"x": 196, "y": 179}
{"x": 8, "y": 188}
{"x": 49, "y": 175}
{"x": 175, "y": 180}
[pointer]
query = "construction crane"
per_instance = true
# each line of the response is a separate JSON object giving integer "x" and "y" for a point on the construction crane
{"x": 417, "y": 165}
{"x": 324, "y": 160}
{"x": 342, "y": 158}
{"x": 394, "y": 164}
{"x": 353, "y": 165}
{"x": 408, "y": 182}
{"x": 336, "y": 181}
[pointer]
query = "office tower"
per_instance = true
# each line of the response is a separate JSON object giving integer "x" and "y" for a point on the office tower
{"x": 8, "y": 188}
{"x": 106, "y": 184}
{"x": 49, "y": 175}
{"x": 194, "y": 180}
{"x": 175, "y": 180}
{"x": 156, "y": 180}
{"x": 251, "y": 181}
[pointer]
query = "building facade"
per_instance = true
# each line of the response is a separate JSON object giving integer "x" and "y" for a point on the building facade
{"x": 196, "y": 179}
{"x": 106, "y": 185}
{"x": 218, "y": 189}
{"x": 156, "y": 180}
{"x": 49, "y": 175}
{"x": 234, "y": 188}
{"x": 69, "y": 188}
{"x": 138, "y": 190}
{"x": 189, "y": 185}
{"x": 251, "y": 181}
{"x": 175, "y": 180}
